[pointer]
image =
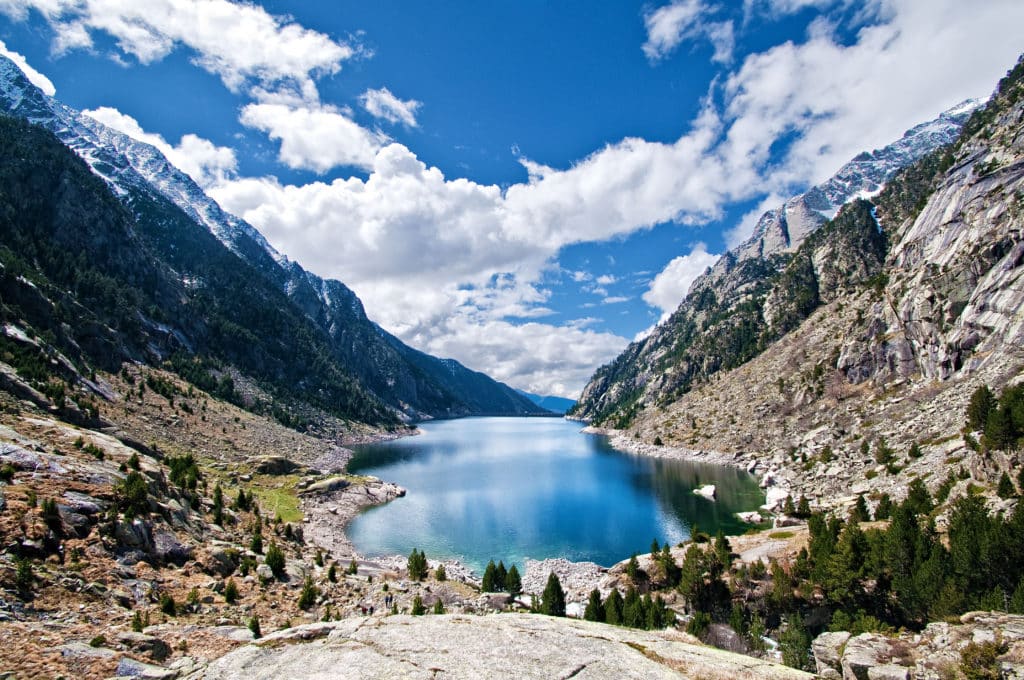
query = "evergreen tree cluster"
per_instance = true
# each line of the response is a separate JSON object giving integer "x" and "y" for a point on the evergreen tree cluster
{"x": 1001, "y": 420}
{"x": 903, "y": 575}
{"x": 498, "y": 579}
{"x": 631, "y": 611}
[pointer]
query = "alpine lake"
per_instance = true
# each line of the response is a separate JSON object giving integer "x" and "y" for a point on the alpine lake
{"x": 515, "y": 488}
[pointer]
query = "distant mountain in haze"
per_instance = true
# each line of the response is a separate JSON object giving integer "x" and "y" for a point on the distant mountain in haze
{"x": 553, "y": 404}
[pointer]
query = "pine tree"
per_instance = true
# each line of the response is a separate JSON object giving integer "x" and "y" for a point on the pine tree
{"x": 999, "y": 431}
{"x": 332, "y": 573}
{"x": 633, "y": 568}
{"x": 723, "y": 550}
{"x": 500, "y": 574}
{"x": 308, "y": 595}
{"x": 803, "y": 508}
{"x": 230, "y": 591}
{"x": 1005, "y": 489}
{"x": 795, "y": 644}
{"x": 655, "y": 548}
{"x": 417, "y": 606}
{"x": 488, "y": 585}
{"x": 513, "y": 582}
{"x": 417, "y": 565}
{"x": 981, "y": 404}
{"x": 668, "y": 563}
{"x": 884, "y": 508}
{"x": 860, "y": 510}
{"x": 254, "y": 627}
{"x": 756, "y": 635}
{"x": 918, "y": 499}
{"x": 594, "y": 610}
{"x": 553, "y": 598}
{"x": 439, "y": 607}
{"x": 632, "y": 609}
{"x": 788, "y": 508}
{"x": 613, "y": 608}
{"x": 440, "y": 573}
{"x": 275, "y": 560}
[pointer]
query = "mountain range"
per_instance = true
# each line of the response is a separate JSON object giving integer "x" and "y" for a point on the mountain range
{"x": 823, "y": 338}
{"x": 745, "y": 301}
{"x": 193, "y": 281}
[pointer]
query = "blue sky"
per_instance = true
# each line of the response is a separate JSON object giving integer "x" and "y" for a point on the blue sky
{"x": 528, "y": 186}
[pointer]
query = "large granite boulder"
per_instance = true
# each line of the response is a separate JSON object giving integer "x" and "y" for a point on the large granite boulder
{"x": 497, "y": 646}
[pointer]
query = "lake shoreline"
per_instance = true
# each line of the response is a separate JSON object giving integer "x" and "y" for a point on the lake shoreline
{"x": 776, "y": 480}
{"x": 329, "y": 515}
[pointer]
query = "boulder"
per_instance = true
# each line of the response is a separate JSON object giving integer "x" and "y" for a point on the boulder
{"x": 168, "y": 549}
{"x": 864, "y": 652}
{"x": 133, "y": 535}
{"x": 154, "y": 647}
{"x": 707, "y": 491}
{"x": 523, "y": 646}
{"x": 219, "y": 562}
{"x": 276, "y": 465}
{"x": 327, "y": 485}
{"x": 128, "y": 667}
{"x": 889, "y": 671}
{"x": 828, "y": 651}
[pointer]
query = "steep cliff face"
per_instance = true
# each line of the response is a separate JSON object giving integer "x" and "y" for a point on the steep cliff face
{"x": 877, "y": 328}
{"x": 202, "y": 245}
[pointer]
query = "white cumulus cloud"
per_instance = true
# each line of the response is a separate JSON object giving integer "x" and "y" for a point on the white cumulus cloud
{"x": 671, "y": 285}
{"x": 201, "y": 159}
{"x": 382, "y": 104}
{"x": 670, "y": 25}
{"x": 242, "y": 43}
{"x": 316, "y": 137}
{"x": 34, "y": 76}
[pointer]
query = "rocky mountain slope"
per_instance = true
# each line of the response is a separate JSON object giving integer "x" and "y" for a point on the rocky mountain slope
{"x": 876, "y": 327}
{"x": 727, "y": 298}
{"x": 221, "y": 263}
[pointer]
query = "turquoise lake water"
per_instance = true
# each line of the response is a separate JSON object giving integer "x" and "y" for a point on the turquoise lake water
{"x": 510, "y": 488}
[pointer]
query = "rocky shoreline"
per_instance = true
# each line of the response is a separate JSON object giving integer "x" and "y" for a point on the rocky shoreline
{"x": 776, "y": 478}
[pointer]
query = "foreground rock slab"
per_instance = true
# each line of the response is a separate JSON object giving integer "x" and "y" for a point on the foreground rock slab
{"x": 497, "y": 646}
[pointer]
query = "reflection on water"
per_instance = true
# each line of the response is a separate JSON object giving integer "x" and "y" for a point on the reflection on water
{"x": 509, "y": 488}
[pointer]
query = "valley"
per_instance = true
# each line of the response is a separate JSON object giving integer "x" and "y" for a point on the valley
{"x": 215, "y": 463}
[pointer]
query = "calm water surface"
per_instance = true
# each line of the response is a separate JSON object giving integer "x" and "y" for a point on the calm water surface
{"x": 510, "y": 488}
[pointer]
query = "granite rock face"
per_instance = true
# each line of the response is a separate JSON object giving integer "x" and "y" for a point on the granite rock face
{"x": 496, "y": 646}
{"x": 932, "y": 654}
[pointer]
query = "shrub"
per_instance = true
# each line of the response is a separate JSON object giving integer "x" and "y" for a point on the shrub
{"x": 137, "y": 622}
{"x": 230, "y": 591}
{"x": 131, "y": 495}
{"x": 167, "y": 605}
{"x": 275, "y": 560}
{"x": 24, "y": 577}
{"x": 98, "y": 641}
{"x": 979, "y": 661}
{"x": 254, "y": 626}
{"x": 307, "y": 598}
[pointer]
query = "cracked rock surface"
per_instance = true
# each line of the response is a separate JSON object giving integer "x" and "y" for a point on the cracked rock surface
{"x": 497, "y": 646}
